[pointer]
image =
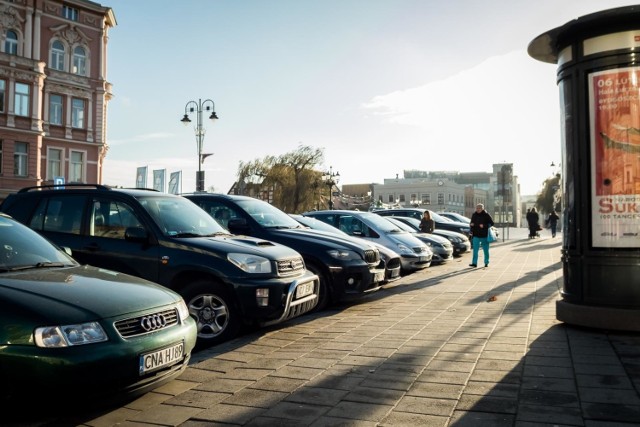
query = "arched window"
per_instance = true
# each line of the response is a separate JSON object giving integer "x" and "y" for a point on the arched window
{"x": 79, "y": 61}
{"x": 57, "y": 55}
{"x": 11, "y": 43}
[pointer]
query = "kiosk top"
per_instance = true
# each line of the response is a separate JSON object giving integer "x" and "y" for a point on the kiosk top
{"x": 546, "y": 46}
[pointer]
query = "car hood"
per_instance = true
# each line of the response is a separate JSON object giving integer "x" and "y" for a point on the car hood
{"x": 78, "y": 294}
{"x": 245, "y": 244}
{"x": 317, "y": 237}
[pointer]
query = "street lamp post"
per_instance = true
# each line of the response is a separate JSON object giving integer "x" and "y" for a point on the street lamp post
{"x": 331, "y": 179}
{"x": 198, "y": 108}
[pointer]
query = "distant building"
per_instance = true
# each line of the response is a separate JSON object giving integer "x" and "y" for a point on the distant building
{"x": 455, "y": 192}
{"x": 53, "y": 92}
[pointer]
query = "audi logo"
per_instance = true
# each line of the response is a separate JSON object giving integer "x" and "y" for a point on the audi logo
{"x": 153, "y": 322}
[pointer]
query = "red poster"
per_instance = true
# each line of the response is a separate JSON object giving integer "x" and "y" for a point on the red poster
{"x": 614, "y": 98}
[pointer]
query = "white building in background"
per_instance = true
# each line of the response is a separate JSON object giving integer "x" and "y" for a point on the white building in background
{"x": 455, "y": 192}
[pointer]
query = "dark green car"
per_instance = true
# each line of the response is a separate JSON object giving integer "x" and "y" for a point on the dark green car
{"x": 71, "y": 328}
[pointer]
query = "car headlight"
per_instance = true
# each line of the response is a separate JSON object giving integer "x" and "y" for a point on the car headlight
{"x": 404, "y": 249}
{"x": 69, "y": 335}
{"x": 343, "y": 254}
{"x": 250, "y": 263}
{"x": 183, "y": 311}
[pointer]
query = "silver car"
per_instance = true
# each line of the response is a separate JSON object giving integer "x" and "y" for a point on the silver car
{"x": 415, "y": 254}
{"x": 440, "y": 246}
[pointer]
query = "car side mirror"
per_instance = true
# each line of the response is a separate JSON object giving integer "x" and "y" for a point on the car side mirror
{"x": 136, "y": 234}
{"x": 239, "y": 226}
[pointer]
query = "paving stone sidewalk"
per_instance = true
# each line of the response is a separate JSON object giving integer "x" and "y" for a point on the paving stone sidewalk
{"x": 448, "y": 346}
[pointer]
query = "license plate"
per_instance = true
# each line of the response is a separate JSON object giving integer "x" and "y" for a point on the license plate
{"x": 158, "y": 359}
{"x": 424, "y": 259}
{"x": 379, "y": 277}
{"x": 304, "y": 290}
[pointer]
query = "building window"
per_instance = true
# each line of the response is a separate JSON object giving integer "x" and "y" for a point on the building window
{"x": 69, "y": 13}
{"x": 11, "y": 43}
{"x": 1, "y": 156}
{"x": 54, "y": 163}
{"x": 390, "y": 198}
{"x": 22, "y": 100}
{"x": 77, "y": 113}
{"x": 426, "y": 198}
{"x": 55, "y": 109}
{"x": 2, "y": 91}
{"x": 79, "y": 61}
{"x": 20, "y": 159}
{"x": 57, "y": 55}
{"x": 76, "y": 167}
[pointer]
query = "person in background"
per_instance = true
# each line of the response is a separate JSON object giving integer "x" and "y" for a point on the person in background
{"x": 533, "y": 220}
{"x": 426, "y": 223}
{"x": 552, "y": 221}
{"x": 480, "y": 224}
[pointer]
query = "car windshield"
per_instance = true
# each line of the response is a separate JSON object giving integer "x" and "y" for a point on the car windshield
{"x": 316, "y": 224}
{"x": 401, "y": 225}
{"x": 380, "y": 224}
{"x": 439, "y": 218}
{"x": 180, "y": 217}
{"x": 22, "y": 248}
{"x": 267, "y": 215}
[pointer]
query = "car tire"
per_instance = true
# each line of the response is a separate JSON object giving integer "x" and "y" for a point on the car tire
{"x": 215, "y": 311}
{"x": 324, "y": 295}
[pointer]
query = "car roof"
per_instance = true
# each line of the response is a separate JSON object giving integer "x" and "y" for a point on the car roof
{"x": 81, "y": 188}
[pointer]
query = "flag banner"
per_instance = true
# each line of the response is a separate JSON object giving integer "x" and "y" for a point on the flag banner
{"x": 159, "y": 180}
{"x": 141, "y": 177}
{"x": 175, "y": 182}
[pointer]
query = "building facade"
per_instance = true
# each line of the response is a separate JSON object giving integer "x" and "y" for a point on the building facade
{"x": 455, "y": 192}
{"x": 53, "y": 92}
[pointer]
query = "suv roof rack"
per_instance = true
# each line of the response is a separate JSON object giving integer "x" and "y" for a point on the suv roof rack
{"x": 63, "y": 186}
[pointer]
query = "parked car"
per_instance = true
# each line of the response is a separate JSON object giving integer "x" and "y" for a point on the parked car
{"x": 226, "y": 280}
{"x": 459, "y": 241}
{"x": 415, "y": 255}
{"x": 454, "y": 216}
{"x": 71, "y": 329}
{"x": 417, "y": 213}
{"x": 441, "y": 247}
{"x": 391, "y": 259}
{"x": 347, "y": 269}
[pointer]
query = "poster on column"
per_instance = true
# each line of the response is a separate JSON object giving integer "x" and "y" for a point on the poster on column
{"x": 614, "y": 103}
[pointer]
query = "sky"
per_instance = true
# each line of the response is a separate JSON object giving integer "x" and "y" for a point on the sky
{"x": 381, "y": 86}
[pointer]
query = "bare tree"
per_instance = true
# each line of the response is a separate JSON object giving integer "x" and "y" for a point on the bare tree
{"x": 290, "y": 181}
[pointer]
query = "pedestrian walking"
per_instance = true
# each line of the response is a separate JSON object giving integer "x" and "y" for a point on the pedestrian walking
{"x": 552, "y": 222}
{"x": 533, "y": 220}
{"x": 426, "y": 223}
{"x": 480, "y": 224}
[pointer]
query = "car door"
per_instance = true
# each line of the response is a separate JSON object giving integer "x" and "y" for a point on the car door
{"x": 105, "y": 245}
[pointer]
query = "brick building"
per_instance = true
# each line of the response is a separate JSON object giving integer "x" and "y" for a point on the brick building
{"x": 53, "y": 91}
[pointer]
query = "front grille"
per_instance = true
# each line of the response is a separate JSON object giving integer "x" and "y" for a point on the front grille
{"x": 372, "y": 256}
{"x": 393, "y": 263}
{"x": 290, "y": 266}
{"x": 147, "y": 324}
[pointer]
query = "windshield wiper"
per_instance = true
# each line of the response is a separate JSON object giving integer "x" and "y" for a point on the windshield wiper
{"x": 47, "y": 264}
{"x": 186, "y": 235}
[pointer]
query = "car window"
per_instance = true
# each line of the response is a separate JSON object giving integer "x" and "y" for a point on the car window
{"x": 218, "y": 211}
{"x": 179, "y": 217}
{"x": 111, "y": 218}
{"x": 62, "y": 214}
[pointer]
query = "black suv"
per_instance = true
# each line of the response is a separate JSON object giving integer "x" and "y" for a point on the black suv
{"x": 347, "y": 269}
{"x": 225, "y": 280}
